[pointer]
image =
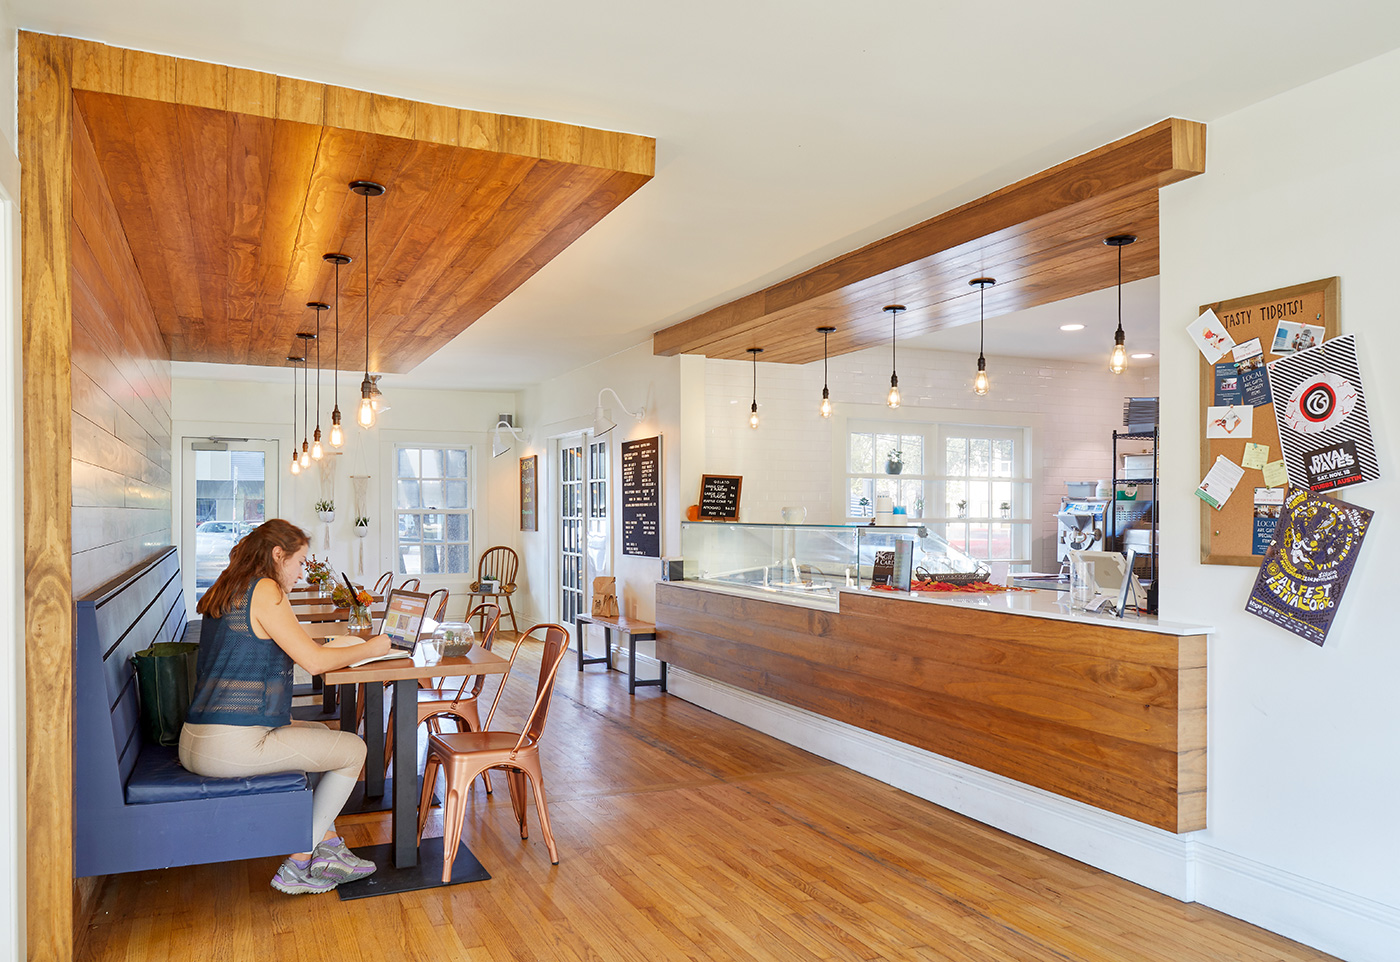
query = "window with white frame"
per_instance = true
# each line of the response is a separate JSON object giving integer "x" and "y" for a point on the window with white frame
{"x": 969, "y": 483}
{"x": 433, "y": 495}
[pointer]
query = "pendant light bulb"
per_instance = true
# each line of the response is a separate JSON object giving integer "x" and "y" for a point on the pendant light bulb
{"x": 367, "y": 189}
{"x": 980, "y": 384}
{"x": 305, "y": 459}
{"x": 754, "y": 352}
{"x": 366, "y": 415}
{"x": 825, "y": 332}
{"x": 296, "y": 465}
{"x": 337, "y": 435}
{"x": 337, "y": 438}
{"x": 317, "y": 453}
{"x": 893, "y": 399}
{"x": 1118, "y": 360}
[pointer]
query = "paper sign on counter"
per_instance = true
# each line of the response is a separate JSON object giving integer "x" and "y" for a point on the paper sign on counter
{"x": 1275, "y": 474}
{"x": 1210, "y": 336}
{"x": 1220, "y": 482}
{"x": 1256, "y": 456}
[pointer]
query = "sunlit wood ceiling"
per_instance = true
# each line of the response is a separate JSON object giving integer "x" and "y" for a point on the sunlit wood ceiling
{"x": 228, "y": 215}
{"x": 1041, "y": 239}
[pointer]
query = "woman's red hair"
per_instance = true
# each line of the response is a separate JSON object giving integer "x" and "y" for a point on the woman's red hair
{"x": 250, "y": 560}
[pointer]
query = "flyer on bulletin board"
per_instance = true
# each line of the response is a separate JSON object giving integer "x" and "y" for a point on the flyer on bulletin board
{"x": 1323, "y": 426}
{"x": 1306, "y": 569}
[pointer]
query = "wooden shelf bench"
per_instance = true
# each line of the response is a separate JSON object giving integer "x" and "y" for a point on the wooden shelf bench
{"x": 634, "y": 631}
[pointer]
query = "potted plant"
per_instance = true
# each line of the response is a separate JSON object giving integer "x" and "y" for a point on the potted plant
{"x": 1006, "y": 509}
{"x": 318, "y": 573}
{"x": 361, "y": 527}
{"x": 894, "y": 462}
{"x": 325, "y": 510}
{"x": 864, "y": 507}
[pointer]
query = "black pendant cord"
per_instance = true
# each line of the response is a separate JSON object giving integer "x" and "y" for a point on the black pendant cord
{"x": 894, "y": 365}
{"x": 366, "y": 196}
{"x": 981, "y": 321}
{"x": 824, "y": 355}
{"x": 755, "y": 380}
{"x": 305, "y": 401}
{"x": 318, "y": 375}
{"x": 337, "y": 340}
{"x": 1120, "y": 289}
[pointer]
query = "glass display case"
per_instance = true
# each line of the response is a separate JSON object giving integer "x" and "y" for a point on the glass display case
{"x": 806, "y": 562}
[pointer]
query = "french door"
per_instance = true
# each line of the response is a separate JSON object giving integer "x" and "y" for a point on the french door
{"x": 583, "y": 522}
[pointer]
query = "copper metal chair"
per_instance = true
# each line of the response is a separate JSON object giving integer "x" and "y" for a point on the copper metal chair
{"x": 498, "y": 564}
{"x": 464, "y": 755}
{"x": 385, "y": 583}
{"x": 410, "y": 585}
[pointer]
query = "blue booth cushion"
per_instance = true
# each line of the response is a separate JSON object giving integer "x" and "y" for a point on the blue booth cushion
{"x": 159, "y": 777}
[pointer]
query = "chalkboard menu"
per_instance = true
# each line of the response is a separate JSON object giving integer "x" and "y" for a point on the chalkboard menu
{"x": 641, "y": 497}
{"x": 719, "y": 497}
{"x": 529, "y": 520}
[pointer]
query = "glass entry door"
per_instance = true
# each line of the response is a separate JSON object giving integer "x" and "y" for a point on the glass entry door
{"x": 572, "y": 542}
{"x": 228, "y": 489}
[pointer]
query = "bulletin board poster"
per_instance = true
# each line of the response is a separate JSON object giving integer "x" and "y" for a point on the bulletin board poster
{"x": 1323, "y": 424}
{"x": 1306, "y": 569}
{"x": 1239, "y": 338}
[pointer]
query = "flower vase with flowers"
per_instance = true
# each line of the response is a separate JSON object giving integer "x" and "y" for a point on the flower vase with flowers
{"x": 318, "y": 575}
{"x": 358, "y": 603}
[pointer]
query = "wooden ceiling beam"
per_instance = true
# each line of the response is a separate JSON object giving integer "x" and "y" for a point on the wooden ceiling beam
{"x": 1041, "y": 238}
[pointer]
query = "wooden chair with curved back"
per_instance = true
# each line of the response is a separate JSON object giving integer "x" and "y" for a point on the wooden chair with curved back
{"x": 464, "y": 755}
{"x": 500, "y": 564}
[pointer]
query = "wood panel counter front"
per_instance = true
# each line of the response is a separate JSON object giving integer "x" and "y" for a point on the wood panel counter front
{"x": 1089, "y": 709}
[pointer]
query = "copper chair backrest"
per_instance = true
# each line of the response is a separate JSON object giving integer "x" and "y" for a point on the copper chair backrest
{"x": 410, "y": 584}
{"x": 385, "y": 584}
{"x": 556, "y": 645}
{"x": 498, "y": 564}
{"x": 490, "y": 618}
{"x": 441, "y": 612}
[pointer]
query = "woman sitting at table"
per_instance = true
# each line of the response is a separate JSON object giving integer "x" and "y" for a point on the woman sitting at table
{"x": 240, "y": 720}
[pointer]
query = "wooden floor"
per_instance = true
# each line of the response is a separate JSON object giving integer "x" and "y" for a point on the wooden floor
{"x": 686, "y": 836}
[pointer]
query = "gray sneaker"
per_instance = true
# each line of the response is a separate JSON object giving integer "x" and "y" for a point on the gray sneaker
{"x": 332, "y": 860}
{"x": 297, "y": 879}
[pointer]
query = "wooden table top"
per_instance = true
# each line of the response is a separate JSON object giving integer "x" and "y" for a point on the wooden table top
{"x": 625, "y": 625}
{"x": 478, "y": 661}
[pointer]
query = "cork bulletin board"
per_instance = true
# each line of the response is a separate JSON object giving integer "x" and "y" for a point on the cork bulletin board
{"x": 1227, "y": 535}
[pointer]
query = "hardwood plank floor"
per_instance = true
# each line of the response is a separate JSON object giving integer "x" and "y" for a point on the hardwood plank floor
{"x": 683, "y": 835}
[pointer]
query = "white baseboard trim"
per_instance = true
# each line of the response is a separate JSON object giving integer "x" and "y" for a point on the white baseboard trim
{"x": 1342, "y": 923}
{"x": 1184, "y": 867}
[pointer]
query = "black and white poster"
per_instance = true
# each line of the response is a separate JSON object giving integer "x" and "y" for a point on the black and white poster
{"x": 1323, "y": 426}
{"x": 641, "y": 497}
{"x": 1306, "y": 569}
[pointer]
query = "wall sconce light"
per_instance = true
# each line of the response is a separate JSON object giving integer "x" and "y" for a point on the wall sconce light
{"x": 602, "y": 424}
{"x": 499, "y": 445}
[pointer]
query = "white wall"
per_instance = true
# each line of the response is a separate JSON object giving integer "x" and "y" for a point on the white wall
{"x": 671, "y": 390}
{"x": 204, "y": 408}
{"x": 12, "y": 836}
{"x": 1073, "y": 408}
{"x": 1303, "y": 779}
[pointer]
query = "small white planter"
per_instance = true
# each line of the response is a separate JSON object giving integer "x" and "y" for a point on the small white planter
{"x": 326, "y": 516}
{"x": 362, "y": 531}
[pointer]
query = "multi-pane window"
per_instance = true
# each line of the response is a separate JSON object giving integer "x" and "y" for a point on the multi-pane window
{"x": 432, "y": 508}
{"x": 969, "y": 483}
{"x": 571, "y": 532}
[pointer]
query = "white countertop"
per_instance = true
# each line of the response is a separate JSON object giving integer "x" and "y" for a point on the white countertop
{"x": 1037, "y": 603}
{"x": 1034, "y": 603}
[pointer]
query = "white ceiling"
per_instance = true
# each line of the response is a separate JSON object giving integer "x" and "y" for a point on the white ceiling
{"x": 787, "y": 132}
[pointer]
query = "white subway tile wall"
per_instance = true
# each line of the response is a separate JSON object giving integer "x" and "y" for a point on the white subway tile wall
{"x": 789, "y": 459}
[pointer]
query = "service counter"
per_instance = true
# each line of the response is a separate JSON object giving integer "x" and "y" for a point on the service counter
{"x": 1111, "y": 713}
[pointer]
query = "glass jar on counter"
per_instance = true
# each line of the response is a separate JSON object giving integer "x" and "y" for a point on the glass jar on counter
{"x": 454, "y": 638}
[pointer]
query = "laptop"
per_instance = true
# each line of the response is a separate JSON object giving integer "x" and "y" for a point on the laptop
{"x": 403, "y": 623}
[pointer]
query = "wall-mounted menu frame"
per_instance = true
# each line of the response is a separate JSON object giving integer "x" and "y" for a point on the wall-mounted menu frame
{"x": 1227, "y": 535}
{"x": 641, "y": 497}
{"x": 719, "y": 497}
{"x": 529, "y": 515}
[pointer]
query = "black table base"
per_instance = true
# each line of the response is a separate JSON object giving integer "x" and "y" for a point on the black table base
{"x": 427, "y": 874}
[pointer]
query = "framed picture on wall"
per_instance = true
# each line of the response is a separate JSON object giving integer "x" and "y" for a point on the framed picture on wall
{"x": 529, "y": 516}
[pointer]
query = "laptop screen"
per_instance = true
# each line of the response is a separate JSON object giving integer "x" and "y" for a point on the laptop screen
{"x": 403, "y": 619}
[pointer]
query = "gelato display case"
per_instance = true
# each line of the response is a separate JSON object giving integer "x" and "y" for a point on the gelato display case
{"x": 807, "y": 563}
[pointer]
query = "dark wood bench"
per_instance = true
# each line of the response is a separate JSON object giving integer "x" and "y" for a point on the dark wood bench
{"x": 635, "y": 631}
{"x": 134, "y": 806}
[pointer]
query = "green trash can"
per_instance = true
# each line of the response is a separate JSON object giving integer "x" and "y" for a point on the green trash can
{"x": 165, "y": 678}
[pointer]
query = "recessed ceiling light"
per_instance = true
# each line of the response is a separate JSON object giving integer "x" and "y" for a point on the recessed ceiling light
{"x": 1071, "y": 327}
{"x": 1142, "y": 357}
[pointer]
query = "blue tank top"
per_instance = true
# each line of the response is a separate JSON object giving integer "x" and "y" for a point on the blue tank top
{"x": 242, "y": 679}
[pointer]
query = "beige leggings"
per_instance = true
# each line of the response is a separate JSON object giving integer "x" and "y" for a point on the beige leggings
{"x": 332, "y": 760}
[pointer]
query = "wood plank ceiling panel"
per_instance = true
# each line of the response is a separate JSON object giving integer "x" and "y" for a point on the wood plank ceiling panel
{"x": 228, "y": 216}
{"x": 1041, "y": 239}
